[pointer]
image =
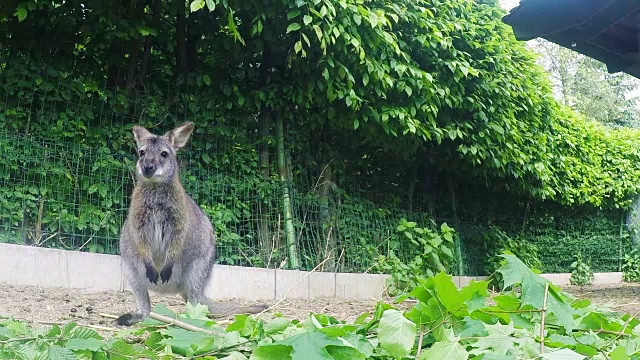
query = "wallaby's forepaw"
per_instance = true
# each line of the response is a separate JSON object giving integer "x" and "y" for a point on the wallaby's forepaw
{"x": 165, "y": 273}
{"x": 152, "y": 274}
{"x": 128, "y": 319}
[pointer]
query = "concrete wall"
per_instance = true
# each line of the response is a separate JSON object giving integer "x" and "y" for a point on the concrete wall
{"x": 26, "y": 265}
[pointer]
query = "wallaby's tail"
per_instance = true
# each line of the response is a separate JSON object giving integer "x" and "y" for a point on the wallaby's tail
{"x": 219, "y": 309}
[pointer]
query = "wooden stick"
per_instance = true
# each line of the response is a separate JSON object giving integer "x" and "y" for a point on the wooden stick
{"x": 420, "y": 341}
{"x": 179, "y": 323}
{"x": 544, "y": 313}
{"x": 108, "y": 316}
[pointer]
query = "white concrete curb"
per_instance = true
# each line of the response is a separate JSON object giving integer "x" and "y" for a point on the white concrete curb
{"x": 34, "y": 266}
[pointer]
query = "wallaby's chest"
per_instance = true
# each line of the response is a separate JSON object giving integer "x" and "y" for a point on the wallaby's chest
{"x": 158, "y": 224}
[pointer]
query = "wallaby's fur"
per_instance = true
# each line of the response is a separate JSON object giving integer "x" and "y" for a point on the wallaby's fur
{"x": 167, "y": 242}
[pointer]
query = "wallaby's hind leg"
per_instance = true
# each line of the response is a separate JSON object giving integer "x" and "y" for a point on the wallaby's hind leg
{"x": 140, "y": 294}
{"x": 195, "y": 281}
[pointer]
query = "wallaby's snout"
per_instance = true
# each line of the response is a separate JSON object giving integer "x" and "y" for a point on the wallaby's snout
{"x": 148, "y": 170}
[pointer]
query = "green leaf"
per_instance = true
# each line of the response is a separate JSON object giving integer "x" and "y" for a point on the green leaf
{"x": 310, "y": 345}
{"x": 396, "y": 333}
{"x": 373, "y": 19}
{"x": 276, "y": 325}
{"x": 293, "y": 27}
{"x": 449, "y": 349}
{"x": 307, "y": 19}
{"x": 293, "y": 14}
{"x": 244, "y": 324}
{"x": 344, "y": 353}
{"x": 619, "y": 353}
{"x": 182, "y": 340}
{"x": 500, "y": 341}
{"x": 272, "y": 352}
{"x": 91, "y": 344}
{"x": 515, "y": 271}
{"x": 235, "y": 356}
{"x": 56, "y": 352}
{"x": 196, "y": 5}
{"x": 566, "y": 354}
{"x": 21, "y": 13}
{"x": 206, "y": 79}
{"x": 198, "y": 311}
{"x": 211, "y": 5}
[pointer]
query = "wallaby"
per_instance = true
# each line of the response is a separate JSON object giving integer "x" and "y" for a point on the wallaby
{"x": 166, "y": 237}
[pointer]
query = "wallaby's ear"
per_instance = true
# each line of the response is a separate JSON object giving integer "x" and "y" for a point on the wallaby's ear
{"x": 140, "y": 133}
{"x": 179, "y": 136}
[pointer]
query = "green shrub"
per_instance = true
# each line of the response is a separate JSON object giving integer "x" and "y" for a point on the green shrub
{"x": 497, "y": 242}
{"x": 432, "y": 252}
{"x": 631, "y": 266}
{"x": 581, "y": 273}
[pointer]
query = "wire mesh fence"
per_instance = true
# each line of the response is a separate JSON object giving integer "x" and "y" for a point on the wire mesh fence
{"x": 70, "y": 196}
{"x": 67, "y": 173}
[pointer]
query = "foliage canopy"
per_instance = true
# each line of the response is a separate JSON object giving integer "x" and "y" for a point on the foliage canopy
{"x": 438, "y": 81}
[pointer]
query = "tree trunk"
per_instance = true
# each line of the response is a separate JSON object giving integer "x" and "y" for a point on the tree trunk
{"x": 132, "y": 72}
{"x": 413, "y": 178}
{"x": 294, "y": 261}
{"x": 148, "y": 42}
{"x": 181, "y": 34}
{"x": 264, "y": 231}
{"x": 328, "y": 236}
{"x": 456, "y": 223}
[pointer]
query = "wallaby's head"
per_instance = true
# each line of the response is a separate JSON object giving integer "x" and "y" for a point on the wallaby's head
{"x": 157, "y": 154}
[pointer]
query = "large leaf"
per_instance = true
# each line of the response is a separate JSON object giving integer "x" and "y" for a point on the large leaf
{"x": 84, "y": 344}
{"x": 449, "y": 349}
{"x": 272, "y": 352}
{"x": 515, "y": 272}
{"x": 186, "y": 342}
{"x": 562, "y": 354}
{"x": 59, "y": 353}
{"x": 310, "y": 345}
{"x": 396, "y": 333}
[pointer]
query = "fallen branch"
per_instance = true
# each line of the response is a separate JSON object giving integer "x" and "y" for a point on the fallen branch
{"x": 544, "y": 313}
{"x": 169, "y": 321}
{"x": 179, "y": 323}
{"x": 420, "y": 342}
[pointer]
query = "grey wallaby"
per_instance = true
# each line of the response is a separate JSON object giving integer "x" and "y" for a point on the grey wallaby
{"x": 166, "y": 237}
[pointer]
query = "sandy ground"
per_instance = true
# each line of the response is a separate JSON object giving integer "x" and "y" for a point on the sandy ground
{"x": 39, "y": 305}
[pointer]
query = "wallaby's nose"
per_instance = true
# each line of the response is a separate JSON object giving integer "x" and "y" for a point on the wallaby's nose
{"x": 148, "y": 170}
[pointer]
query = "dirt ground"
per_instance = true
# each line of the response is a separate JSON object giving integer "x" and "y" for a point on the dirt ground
{"x": 39, "y": 305}
{"x": 620, "y": 297}
{"x": 57, "y": 305}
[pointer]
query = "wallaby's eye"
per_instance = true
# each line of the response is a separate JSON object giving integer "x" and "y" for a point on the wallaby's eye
{"x": 164, "y": 154}
{"x": 141, "y": 153}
